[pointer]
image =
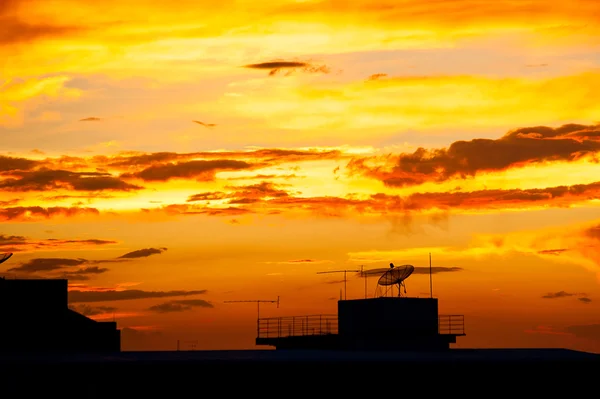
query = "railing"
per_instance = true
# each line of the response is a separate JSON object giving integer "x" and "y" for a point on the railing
{"x": 453, "y": 324}
{"x": 277, "y": 327}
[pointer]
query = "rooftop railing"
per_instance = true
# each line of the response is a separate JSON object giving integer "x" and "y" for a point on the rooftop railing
{"x": 451, "y": 324}
{"x": 290, "y": 326}
{"x": 278, "y": 327}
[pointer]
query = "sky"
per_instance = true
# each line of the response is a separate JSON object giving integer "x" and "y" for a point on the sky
{"x": 169, "y": 159}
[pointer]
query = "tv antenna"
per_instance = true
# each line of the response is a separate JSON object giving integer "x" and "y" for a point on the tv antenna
{"x": 395, "y": 276}
{"x": 345, "y": 279}
{"x": 4, "y": 257}
{"x": 258, "y": 302}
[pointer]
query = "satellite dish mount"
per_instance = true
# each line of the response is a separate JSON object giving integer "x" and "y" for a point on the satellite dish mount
{"x": 395, "y": 276}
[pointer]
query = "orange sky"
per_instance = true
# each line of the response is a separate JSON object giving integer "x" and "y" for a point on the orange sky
{"x": 232, "y": 150}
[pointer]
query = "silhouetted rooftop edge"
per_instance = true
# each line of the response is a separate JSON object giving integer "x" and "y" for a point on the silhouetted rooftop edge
{"x": 300, "y": 356}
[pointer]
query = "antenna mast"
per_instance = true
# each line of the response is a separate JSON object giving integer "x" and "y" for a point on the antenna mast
{"x": 430, "y": 278}
{"x": 340, "y": 271}
{"x": 258, "y": 301}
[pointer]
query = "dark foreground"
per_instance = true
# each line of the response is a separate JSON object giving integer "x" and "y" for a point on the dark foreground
{"x": 295, "y": 373}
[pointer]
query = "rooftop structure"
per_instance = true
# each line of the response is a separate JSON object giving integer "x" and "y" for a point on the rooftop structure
{"x": 391, "y": 321}
{"x": 36, "y": 318}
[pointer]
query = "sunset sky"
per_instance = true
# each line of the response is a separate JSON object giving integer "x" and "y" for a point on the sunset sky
{"x": 166, "y": 159}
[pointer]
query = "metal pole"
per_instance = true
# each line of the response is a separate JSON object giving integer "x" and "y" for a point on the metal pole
{"x": 365, "y": 276}
{"x": 430, "y": 279}
{"x": 345, "y": 289}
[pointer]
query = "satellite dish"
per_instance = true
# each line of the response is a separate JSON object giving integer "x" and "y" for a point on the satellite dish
{"x": 4, "y": 257}
{"x": 395, "y": 276}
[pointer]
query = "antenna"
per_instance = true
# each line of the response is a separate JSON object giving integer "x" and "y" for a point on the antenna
{"x": 362, "y": 273}
{"x": 340, "y": 271}
{"x": 430, "y": 278}
{"x": 5, "y": 257}
{"x": 258, "y": 301}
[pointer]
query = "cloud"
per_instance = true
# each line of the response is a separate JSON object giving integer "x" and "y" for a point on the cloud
{"x": 46, "y": 265}
{"x": 30, "y": 213}
{"x": 276, "y": 67}
{"x": 200, "y": 170}
{"x": 589, "y": 331}
{"x": 418, "y": 270}
{"x": 557, "y": 251}
{"x": 83, "y": 274}
{"x": 377, "y": 76}
{"x": 48, "y": 179}
{"x": 180, "y": 305}
{"x": 243, "y": 194}
{"x": 77, "y": 296}
{"x": 9, "y": 164}
{"x": 268, "y": 198}
{"x": 88, "y": 310}
{"x": 142, "y": 253}
{"x": 207, "y": 125}
{"x": 562, "y": 294}
{"x": 520, "y": 147}
{"x": 90, "y": 119}
{"x": 584, "y": 299}
{"x": 21, "y": 243}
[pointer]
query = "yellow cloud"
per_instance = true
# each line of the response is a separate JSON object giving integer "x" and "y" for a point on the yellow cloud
{"x": 424, "y": 102}
{"x": 18, "y": 95}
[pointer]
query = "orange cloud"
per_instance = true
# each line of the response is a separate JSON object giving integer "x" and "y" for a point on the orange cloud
{"x": 14, "y": 243}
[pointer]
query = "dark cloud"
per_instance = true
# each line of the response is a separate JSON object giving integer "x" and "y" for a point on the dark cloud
{"x": 590, "y": 331}
{"x": 208, "y": 125}
{"x": 467, "y": 158}
{"x": 377, "y": 76}
{"x": 46, "y": 264}
{"x": 83, "y": 274}
{"x": 593, "y": 232}
{"x": 90, "y": 119}
{"x": 275, "y": 67}
{"x": 21, "y": 243}
{"x": 48, "y": 179}
{"x": 88, "y": 310}
{"x": 29, "y": 212}
{"x": 185, "y": 209}
{"x": 11, "y": 202}
{"x": 242, "y": 194}
{"x": 142, "y": 253}
{"x": 584, "y": 299}
{"x": 557, "y": 251}
{"x": 562, "y": 294}
{"x": 418, "y": 270}
{"x": 180, "y": 305}
{"x": 267, "y": 198}
{"x": 200, "y": 170}
{"x": 268, "y": 155}
{"x": 77, "y": 296}
{"x": 10, "y": 164}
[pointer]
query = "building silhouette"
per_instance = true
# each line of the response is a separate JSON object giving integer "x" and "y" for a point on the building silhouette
{"x": 36, "y": 318}
{"x": 383, "y": 323}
